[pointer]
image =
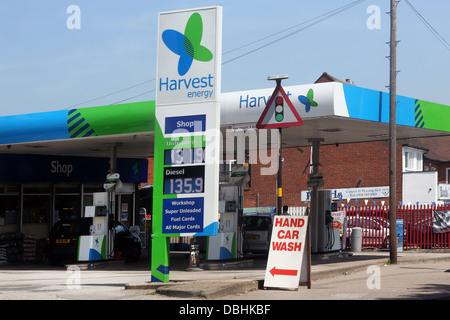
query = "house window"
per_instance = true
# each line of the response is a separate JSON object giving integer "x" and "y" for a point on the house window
{"x": 412, "y": 159}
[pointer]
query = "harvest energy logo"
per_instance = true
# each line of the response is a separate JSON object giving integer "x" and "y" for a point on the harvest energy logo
{"x": 187, "y": 45}
{"x": 308, "y": 101}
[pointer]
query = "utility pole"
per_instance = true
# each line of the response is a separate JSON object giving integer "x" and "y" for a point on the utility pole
{"x": 393, "y": 136}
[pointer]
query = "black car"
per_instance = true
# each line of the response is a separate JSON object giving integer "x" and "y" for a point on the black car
{"x": 62, "y": 242}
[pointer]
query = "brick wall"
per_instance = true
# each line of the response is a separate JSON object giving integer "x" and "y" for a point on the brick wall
{"x": 441, "y": 168}
{"x": 343, "y": 166}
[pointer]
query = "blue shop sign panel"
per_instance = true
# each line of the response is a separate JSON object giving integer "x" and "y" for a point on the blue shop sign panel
{"x": 39, "y": 168}
{"x": 183, "y": 215}
{"x": 185, "y": 124}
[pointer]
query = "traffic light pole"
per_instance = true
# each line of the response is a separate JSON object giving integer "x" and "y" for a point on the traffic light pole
{"x": 279, "y": 117}
{"x": 280, "y": 175}
{"x": 280, "y": 165}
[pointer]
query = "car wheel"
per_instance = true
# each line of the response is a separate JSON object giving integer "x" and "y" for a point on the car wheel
{"x": 134, "y": 254}
{"x": 53, "y": 261}
{"x": 385, "y": 243}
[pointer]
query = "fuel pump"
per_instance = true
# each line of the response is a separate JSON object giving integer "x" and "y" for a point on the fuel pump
{"x": 224, "y": 245}
{"x": 95, "y": 246}
{"x": 324, "y": 237}
{"x": 99, "y": 244}
{"x": 228, "y": 243}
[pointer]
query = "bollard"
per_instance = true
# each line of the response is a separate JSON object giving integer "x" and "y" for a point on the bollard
{"x": 356, "y": 239}
{"x": 194, "y": 256}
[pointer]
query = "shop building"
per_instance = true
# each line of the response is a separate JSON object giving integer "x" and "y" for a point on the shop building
{"x": 38, "y": 190}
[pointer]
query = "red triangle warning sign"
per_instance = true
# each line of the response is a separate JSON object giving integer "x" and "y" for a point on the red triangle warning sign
{"x": 279, "y": 112}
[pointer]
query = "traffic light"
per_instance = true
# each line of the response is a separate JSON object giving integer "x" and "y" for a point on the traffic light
{"x": 279, "y": 109}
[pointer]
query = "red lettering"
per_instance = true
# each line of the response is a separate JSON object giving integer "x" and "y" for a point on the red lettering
{"x": 298, "y": 223}
{"x": 291, "y": 223}
{"x": 286, "y": 246}
{"x": 278, "y": 246}
{"x": 288, "y": 234}
{"x": 278, "y": 222}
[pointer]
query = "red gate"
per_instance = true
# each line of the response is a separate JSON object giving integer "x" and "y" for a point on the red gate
{"x": 417, "y": 226}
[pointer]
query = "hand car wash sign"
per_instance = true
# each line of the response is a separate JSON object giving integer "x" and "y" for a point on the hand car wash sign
{"x": 285, "y": 263}
{"x": 187, "y": 129}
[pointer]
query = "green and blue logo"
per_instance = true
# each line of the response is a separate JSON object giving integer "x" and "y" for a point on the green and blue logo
{"x": 187, "y": 45}
{"x": 308, "y": 100}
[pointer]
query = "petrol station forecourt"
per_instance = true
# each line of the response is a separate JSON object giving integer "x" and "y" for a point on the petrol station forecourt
{"x": 188, "y": 97}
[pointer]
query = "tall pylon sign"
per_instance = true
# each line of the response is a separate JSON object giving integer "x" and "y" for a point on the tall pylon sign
{"x": 187, "y": 130}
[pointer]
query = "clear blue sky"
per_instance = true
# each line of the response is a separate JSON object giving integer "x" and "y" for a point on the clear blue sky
{"x": 45, "y": 66}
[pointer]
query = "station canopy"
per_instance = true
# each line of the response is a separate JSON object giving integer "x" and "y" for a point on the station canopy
{"x": 336, "y": 112}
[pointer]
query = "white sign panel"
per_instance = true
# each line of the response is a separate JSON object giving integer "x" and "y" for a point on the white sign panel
{"x": 187, "y": 128}
{"x": 189, "y": 56}
{"x": 246, "y": 107}
{"x": 444, "y": 191}
{"x": 353, "y": 193}
{"x": 287, "y": 251}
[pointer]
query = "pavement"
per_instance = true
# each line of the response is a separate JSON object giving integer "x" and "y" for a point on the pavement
{"x": 215, "y": 279}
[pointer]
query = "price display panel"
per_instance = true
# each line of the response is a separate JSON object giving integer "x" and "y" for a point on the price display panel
{"x": 184, "y": 180}
{"x": 178, "y": 156}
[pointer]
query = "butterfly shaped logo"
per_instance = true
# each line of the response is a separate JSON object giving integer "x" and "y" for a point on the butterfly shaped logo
{"x": 187, "y": 45}
{"x": 308, "y": 101}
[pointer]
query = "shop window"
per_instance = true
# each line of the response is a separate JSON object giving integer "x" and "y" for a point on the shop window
{"x": 37, "y": 188}
{"x": 93, "y": 187}
{"x": 88, "y": 193}
{"x": 36, "y": 215}
{"x": 36, "y": 209}
{"x": 88, "y": 200}
{"x": 9, "y": 213}
{"x": 67, "y": 201}
{"x": 67, "y": 206}
{"x": 10, "y": 188}
{"x": 67, "y": 188}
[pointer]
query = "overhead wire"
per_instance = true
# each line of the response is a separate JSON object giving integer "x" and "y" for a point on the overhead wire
{"x": 429, "y": 26}
{"x": 318, "y": 19}
{"x": 112, "y": 93}
{"x": 120, "y": 101}
{"x": 292, "y": 27}
{"x": 312, "y": 22}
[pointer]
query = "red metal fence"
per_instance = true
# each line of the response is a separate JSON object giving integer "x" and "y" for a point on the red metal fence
{"x": 417, "y": 226}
